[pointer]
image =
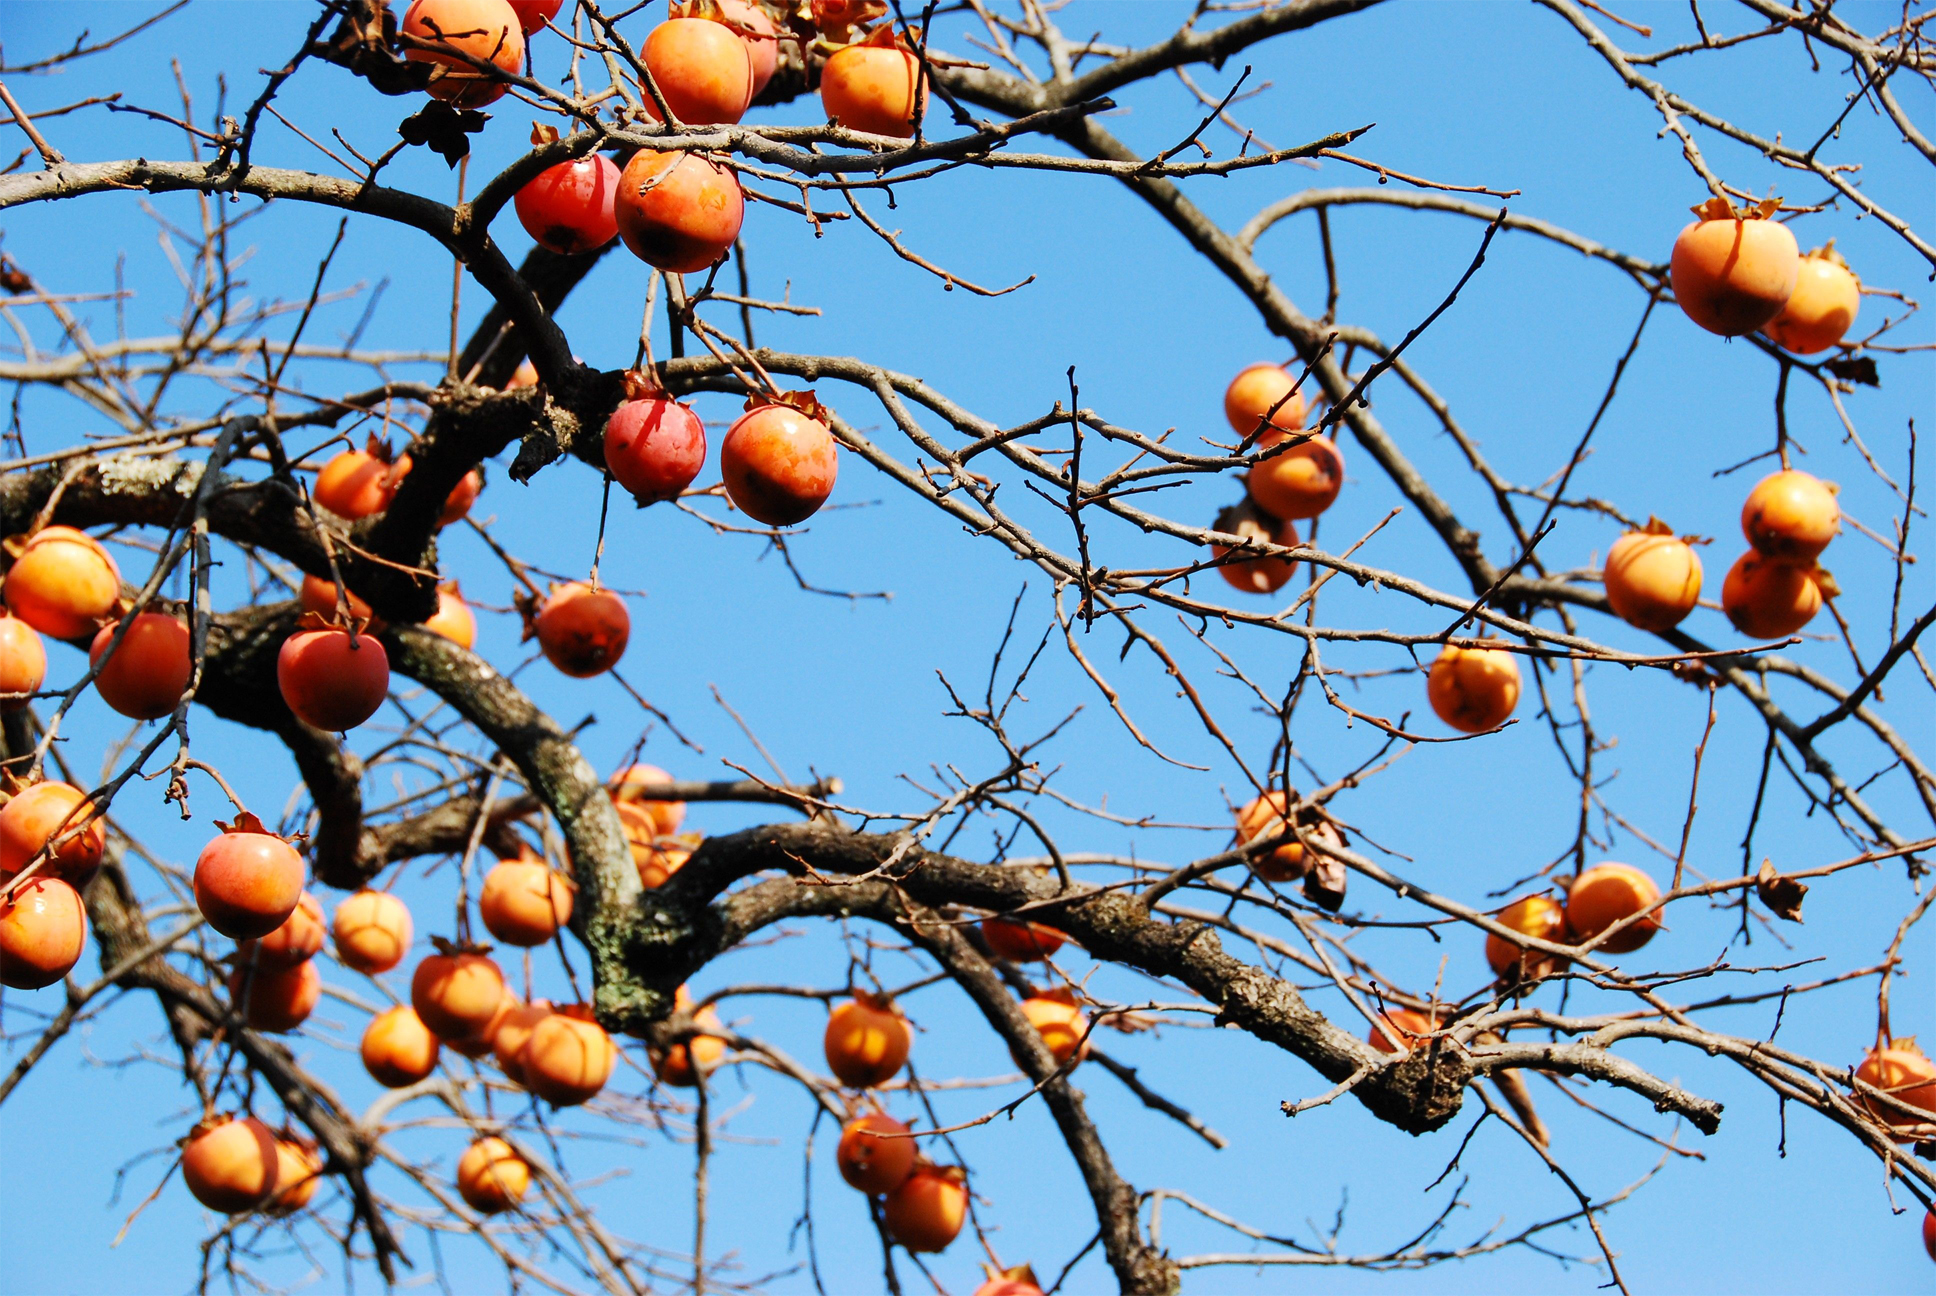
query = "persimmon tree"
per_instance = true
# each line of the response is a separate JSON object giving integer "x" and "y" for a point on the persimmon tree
{"x": 272, "y": 561}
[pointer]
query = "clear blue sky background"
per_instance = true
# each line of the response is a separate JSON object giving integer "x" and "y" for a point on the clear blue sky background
{"x": 1501, "y": 94}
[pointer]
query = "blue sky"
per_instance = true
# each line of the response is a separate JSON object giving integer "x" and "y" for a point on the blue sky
{"x": 1497, "y": 94}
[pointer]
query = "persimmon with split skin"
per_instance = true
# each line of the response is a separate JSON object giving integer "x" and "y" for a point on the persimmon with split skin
{"x": 1401, "y": 1029}
{"x": 1653, "y": 577}
{"x": 779, "y": 462}
{"x": 356, "y": 483}
{"x": 1019, "y": 1281}
{"x": 1297, "y": 483}
{"x": 1540, "y": 916}
{"x": 1473, "y": 689}
{"x": 1263, "y": 575}
{"x": 1263, "y": 396}
{"x": 674, "y": 1065}
{"x": 299, "y": 939}
{"x": 23, "y": 662}
{"x": 1791, "y": 516}
{"x": 583, "y": 631}
{"x": 926, "y": 1211}
{"x": 750, "y": 20}
{"x": 229, "y": 1164}
{"x": 869, "y": 1162}
{"x": 318, "y": 595}
{"x": 398, "y": 1049}
{"x": 453, "y": 619}
{"x": 1733, "y": 273}
{"x": 490, "y": 31}
{"x": 511, "y": 1032}
{"x": 1766, "y": 598}
{"x": 275, "y": 1000}
{"x": 372, "y": 931}
{"x": 654, "y": 446}
{"x": 62, "y": 583}
{"x": 874, "y": 86}
{"x": 1019, "y": 940}
{"x": 1063, "y": 1027}
{"x": 1901, "y": 1071}
{"x": 248, "y": 880}
{"x": 51, "y": 811}
{"x": 492, "y": 1177}
{"x": 525, "y": 901}
{"x": 1823, "y": 306}
{"x": 867, "y": 1041}
{"x": 299, "y": 1170}
{"x": 332, "y": 678}
{"x": 678, "y": 211}
{"x": 457, "y": 993}
{"x": 702, "y": 67}
{"x": 1604, "y": 895}
{"x": 535, "y": 15}
{"x": 572, "y": 207}
{"x": 665, "y": 816}
{"x": 568, "y": 1057}
{"x": 43, "y": 931}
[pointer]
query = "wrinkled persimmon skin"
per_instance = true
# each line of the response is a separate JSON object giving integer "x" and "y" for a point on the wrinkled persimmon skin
{"x": 248, "y": 883}
{"x": 453, "y": 620}
{"x": 1254, "y": 392}
{"x": 1255, "y": 575}
{"x": 332, "y": 679}
{"x": 372, "y": 931}
{"x": 275, "y": 1000}
{"x": 654, "y": 448}
{"x": 583, "y": 631}
{"x": 1300, "y": 483}
{"x": 1769, "y": 599}
{"x": 779, "y": 465}
{"x": 524, "y": 902}
{"x": 1605, "y": 894}
{"x": 1907, "y": 1076}
{"x": 1061, "y": 1025}
{"x": 34, "y": 817}
{"x": 565, "y": 1060}
{"x": 569, "y": 208}
{"x": 485, "y": 29}
{"x": 398, "y": 1049}
{"x": 926, "y": 1211}
{"x": 872, "y": 89}
{"x": 1791, "y": 516}
{"x": 760, "y": 35}
{"x": 232, "y": 1166}
{"x": 43, "y": 932}
{"x": 866, "y": 1045}
{"x": 1652, "y": 581}
{"x": 1401, "y": 1027}
{"x": 870, "y": 1163}
{"x": 1820, "y": 311}
{"x": 666, "y": 816}
{"x": 145, "y": 677}
{"x": 299, "y": 939}
{"x": 319, "y": 596}
{"x": 63, "y": 583}
{"x": 1473, "y": 689}
{"x": 355, "y": 484}
{"x": 456, "y": 994}
{"x": 1534, "y": 915}
{"x": 1733, "y": 276}
{"x": 23, "y": 662}
{"x": 677, "y": 211}
{"x": 492, "y": 1177}
{"x": 1018, "y": 940}
{"x": 703, "y": 68}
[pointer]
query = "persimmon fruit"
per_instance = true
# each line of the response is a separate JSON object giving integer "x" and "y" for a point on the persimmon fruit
{"x": 567, "y": 1058}
{"x": 535, "y": 15}
{"x": 490, "y": 31}
{"x": 666, "y": 816}
{"x": 397, "y": 1048}
{"x": 456, "y": 504}
{"x": 1766, "y": 598}
{"x": 1733, "y": 274}
{"x": 1902, "y": 1072}
{"x": 869, "y": 1162}
{"x": 1263, "y": 575}
{"x": 675, "y": 1064}
{"x": 750, "y": 20}
{"x": 1263, "y": 392}
{"x": 512, "y": 1032}
{"x": 525, "y": 901}
{"x": 43, "y": 931}
{"x": 146, "y": 674}
{"x": 1823, "y": 306}
{"x": 1605, "y": 894}
{"x": 702, "y": 67}
{"x": 453, "y": 619}
{"x": 1790, "y": 516}
{"x": 875, "y": 88}
{"x": 1401, "y": 1029}
{"x": 1298, "y": 483}
{"x": 654, "y": 447}
{"x": 63, "y": 583}
{"x": 1062, "y": 1025}
{"x": 492, "y": 1177}
{"x": 678, "y": 211}
{"x": 299, "y": 939}
{"x": 318, "y": 595}
{"x": 583, "y": 631}
{"x": 23, "y": 662}
{"x": 299, "y": 1172}
{"x": 1533, "y": 915}
{"x": 1653, "y": 579}
{"x": 456, "y": 994}
{"x": 1263, "y": 816}
{"x": 480, "y": 1042}
{"x": 1019, "y": 940}
{"x": 779, "y": 464}
{"x": 926, "y": 1211}
{"x": 51, "y": 811}
{"x": 1929, "y": 1234}
{"x": 331, "y": 678}
{"x": 1473, "y": 689}
{"x": 372, "y": 931}
{"x": 571, "y": 208}
{"x": 230, "y": 1164}
{"x": 866, "y": 1042}
{"x": 355, "y": 484}
{"x": 1019, "y": 1281}
{"x": 275, "y": 1000}
{"x": 248, "y": 880}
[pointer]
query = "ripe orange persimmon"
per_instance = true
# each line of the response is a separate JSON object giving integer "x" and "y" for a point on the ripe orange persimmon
{"x": 1653, "y": 577}
{"x": 1733, "y": 274}
{"x": 275, "y": 1000}
{"x": 570, "y": 208}
{"x": 248, "y": 880}
{"x": 750, "y": 20}
{"x": 372, "y": 930}
{"x": 656, "y": 857}
{"x": 568, "y": 1057}
{"x": 675, "y": 1064}
{"x": 702, "y": 67}
{"x": 525, "y": 901}
{"x": 1766, "y": 598}
{"x": 1019, "y": 1281}
{"x": 869, "y": 1162}
{"x": 583, "y": 631}
{"x": 1255, "y": 575}
{"x": 456, "y": 994}
{"x": 453, "y": 619}
{"x": 1401, "y": 1029}
{"x": 492, "y": 1177}
{"x": 23, "y": 662}
{"x": 535, "y": 15}
{"x": 1902, "y": 1072}
{"x": 299, "y": 939}
{"x": 874, "y": 86}
{"x": 1533, "y": 915}
{"x": 1263, "y": 391}
{"x": 332, "y": 679}
{"x": 1018, "y": 940}
{"x": 678, "y": 211}
{"x": 299, "y": 1172}
{"x": 318, "y": 595}
{"x": 487, "y": 30}
{"x": 355, "y": 484}
{"x": 926, "y": 1211}
{"x": 1929, "y": 1234}
{"x": 779, "y": 464}
{"x": 1264, "y": 817}
{"x": 654, "y": 447}
{"x": 1790, "y": 516}
{"x": 56, "y": 812}
{"x": 1473, "y": 689}
{"x": 666, "y": 816}
{"x": 398, "y": 1049}
{"x": 867, "y": 1041}
{"x": 510, "y": 1033}
{"x": 1062, "y": 1026}
{"x": 43, "y": 930}
{"x": 479, "y": 1042}
{"x": 1819, "y": 312}
{"x": 230, "y": 1165}
{"x": 62, "y": 583}
{"x": 1605, "y": 894}
{"x": 1297, "y": 483}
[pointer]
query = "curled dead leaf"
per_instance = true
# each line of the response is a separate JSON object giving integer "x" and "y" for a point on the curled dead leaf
{"x": 1782, "y": 895}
